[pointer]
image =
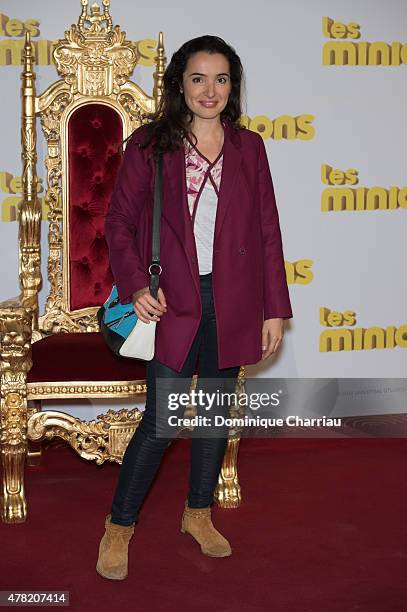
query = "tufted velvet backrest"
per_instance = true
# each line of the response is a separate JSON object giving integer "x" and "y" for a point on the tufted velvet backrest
{"x": 95, "y": 135}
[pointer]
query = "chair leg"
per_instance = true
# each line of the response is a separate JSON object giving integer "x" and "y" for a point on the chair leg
{"x": 227, "y": 492}
{"x": 14, "y": 506}
{"x": 15, "y": 362}
{"x": 13, "y": 454}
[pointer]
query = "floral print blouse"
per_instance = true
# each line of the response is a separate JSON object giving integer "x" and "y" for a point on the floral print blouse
{"x": 203, "y": 179}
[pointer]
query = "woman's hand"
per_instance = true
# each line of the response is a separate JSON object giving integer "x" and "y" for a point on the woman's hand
{"x": 148, "y": 308}
{"x": 272, "y": 336}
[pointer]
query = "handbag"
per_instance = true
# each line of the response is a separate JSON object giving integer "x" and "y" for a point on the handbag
{"x": 125, "y": 334}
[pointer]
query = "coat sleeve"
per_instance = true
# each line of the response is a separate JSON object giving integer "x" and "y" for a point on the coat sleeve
{"x": 130, "y": 194}
{"x": 276, "y": 296}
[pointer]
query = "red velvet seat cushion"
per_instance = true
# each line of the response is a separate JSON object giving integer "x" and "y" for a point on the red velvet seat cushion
{"x": 64, "y": 357}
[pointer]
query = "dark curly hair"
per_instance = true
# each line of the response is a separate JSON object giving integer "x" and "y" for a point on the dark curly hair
{"x": 167, "y": 126}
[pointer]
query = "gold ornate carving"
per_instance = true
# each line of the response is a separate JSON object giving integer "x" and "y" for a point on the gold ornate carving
{"x": 95, "y": 60}
{"x": 159, "y": 71}
{"x": 83, "y": 388}
{"x": 56, "y": 102}
{"x": 130, "y": 104}
{"x": 95, "y": 18}
{"x": 15, "y": 353}
{"x": 15, "y": 346}
{"x": 104, "y": 439}
{"x": 30, "y": 208}
{"x": 34, "y": 449}
{"x": 228, "y": 492}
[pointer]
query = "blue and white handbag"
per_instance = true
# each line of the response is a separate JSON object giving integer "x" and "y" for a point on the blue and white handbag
{"x": 124, "y": 333}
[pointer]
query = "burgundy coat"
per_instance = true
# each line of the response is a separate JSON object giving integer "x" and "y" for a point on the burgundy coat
{"x": 248, "y": 274}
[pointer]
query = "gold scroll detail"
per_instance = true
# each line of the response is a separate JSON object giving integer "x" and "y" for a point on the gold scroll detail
{"x": 104, "y": 439}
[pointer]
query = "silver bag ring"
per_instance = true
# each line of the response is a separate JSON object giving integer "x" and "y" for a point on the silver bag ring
{"x": 154, "y": 264}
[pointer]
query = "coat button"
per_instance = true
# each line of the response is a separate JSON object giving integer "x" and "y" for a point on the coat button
{"x": 242, "y": 251}
{"x": 194, "y": 260}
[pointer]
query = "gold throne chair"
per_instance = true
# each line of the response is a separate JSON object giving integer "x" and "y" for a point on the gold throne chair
{"x": 60, "y": 354}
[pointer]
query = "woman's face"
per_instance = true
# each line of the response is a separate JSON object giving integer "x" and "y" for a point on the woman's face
{"x": 206, "y": 84}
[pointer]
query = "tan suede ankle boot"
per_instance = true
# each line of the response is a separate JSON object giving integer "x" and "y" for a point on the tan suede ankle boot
{"x": 113, "y": 551}
{"x": 198, "y": 523}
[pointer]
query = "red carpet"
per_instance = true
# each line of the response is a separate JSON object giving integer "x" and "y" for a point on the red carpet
{"x": 322, "y": 528}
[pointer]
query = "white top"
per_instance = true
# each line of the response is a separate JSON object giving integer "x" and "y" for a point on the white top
{"x": 203, "y": 184}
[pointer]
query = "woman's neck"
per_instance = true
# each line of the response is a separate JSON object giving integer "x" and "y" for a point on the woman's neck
{"x": 207, "y": 130}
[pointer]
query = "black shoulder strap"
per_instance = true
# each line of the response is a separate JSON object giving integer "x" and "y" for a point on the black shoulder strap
{"x": 155, "y": 267}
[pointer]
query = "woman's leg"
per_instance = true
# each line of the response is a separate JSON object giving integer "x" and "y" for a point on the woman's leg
{"x": 207, "y": 452}
{"x": 146, "y": 448}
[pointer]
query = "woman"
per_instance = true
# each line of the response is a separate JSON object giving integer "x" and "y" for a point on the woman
{"x": 223, "y": 293}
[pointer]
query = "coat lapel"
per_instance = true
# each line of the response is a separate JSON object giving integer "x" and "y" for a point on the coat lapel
{"x": 175, "y": 201}
{"x": 232, "y": 158}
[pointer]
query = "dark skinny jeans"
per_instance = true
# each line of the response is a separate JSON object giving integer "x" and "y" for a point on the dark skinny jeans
{"x": 145, "y": 449}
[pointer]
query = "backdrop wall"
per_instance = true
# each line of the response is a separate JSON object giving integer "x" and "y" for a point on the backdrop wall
{"x": 326, "y": 88}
